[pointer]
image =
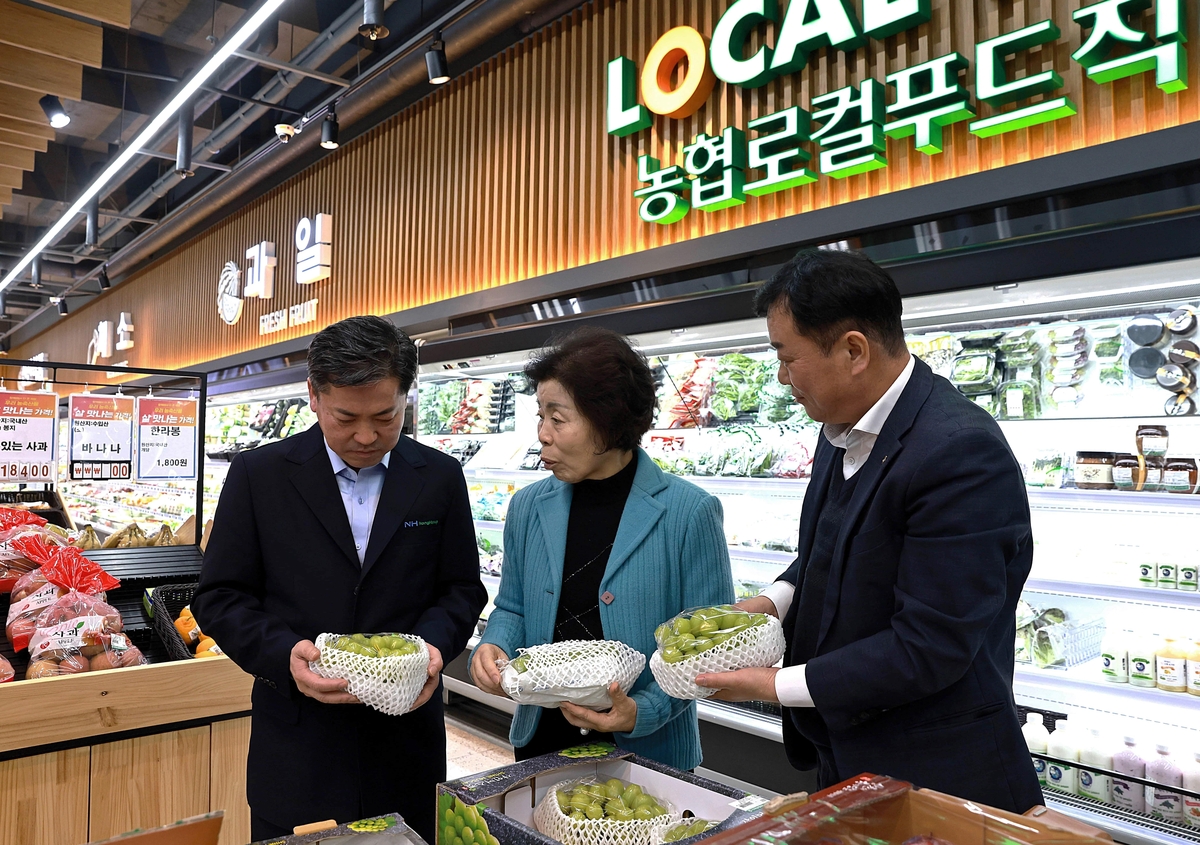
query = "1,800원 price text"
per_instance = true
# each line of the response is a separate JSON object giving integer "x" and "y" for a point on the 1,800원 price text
{"x": 171, "y": 462}
{"x": 25, "y": 471}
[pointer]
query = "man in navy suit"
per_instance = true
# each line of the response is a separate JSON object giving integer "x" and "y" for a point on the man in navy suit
{"x": 914, "y": 546}
{"x": 346, "y": 528}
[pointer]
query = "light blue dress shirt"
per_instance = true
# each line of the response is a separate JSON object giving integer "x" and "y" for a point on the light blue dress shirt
{"x": 360, "y": 491}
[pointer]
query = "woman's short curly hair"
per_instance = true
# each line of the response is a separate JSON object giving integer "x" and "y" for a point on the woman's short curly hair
{"x": 610, "y": 381}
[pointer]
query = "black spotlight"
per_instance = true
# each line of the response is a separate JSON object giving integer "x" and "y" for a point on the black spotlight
{"x": 62, "y": 308}
{"x": 35, "y": 273}
{"x": 329, "y": 131}
{"x": 372, "y": 25}
{"x": 103, "y": 279}
{"x": 52, "y": 106}
{"x": 435, "y": 61}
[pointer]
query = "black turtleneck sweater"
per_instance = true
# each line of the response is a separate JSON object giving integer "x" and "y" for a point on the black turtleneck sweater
{"x": 596, "y": 508}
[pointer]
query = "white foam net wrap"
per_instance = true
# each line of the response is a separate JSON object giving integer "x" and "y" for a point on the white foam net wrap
{"x": 578, "y": 671}
{"x": 388, "y": 684}
{"x": 718, "y": 639}
{"x": 551, "y": 819}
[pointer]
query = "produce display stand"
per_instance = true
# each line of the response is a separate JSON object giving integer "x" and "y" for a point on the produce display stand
{"x": 90, "y": 756}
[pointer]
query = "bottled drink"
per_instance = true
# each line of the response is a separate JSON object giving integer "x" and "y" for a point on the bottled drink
{"x": 1037, "y": 738}
{"x": 1114, "y": 657}
{"x": 1064, "y": 745}
{"x": 1141, "y": 661}
{"x": 1127, "y": 794}
{"x": 1194, "y": 669}
{"x": 1162, "y": 803}
{"x": 1170, "y": 662}
{"x": 1095, "y": 752}
{"x": 1191, "y": 780}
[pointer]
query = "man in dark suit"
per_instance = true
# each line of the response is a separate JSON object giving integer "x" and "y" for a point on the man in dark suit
{"x": 346, "y": 528}
{"x": 915, "y": 543}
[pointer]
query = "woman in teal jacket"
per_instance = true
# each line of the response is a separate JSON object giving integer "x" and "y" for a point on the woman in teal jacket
{"x": 608, "y": 548}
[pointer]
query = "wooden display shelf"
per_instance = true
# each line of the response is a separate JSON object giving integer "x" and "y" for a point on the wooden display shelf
{"x": 90, "y": 706}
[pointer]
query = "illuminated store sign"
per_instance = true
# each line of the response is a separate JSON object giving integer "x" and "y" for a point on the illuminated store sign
{"x": 314, "y": 252}
{"x": 851, "y": 125}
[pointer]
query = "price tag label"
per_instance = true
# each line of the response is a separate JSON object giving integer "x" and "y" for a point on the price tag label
{"x": 28, "y": 429}
{"x": 167, "y": 438}
{"x": 101, "y": 437}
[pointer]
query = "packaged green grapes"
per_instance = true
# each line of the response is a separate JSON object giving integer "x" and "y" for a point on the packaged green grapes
{"x": 712, "y": 639}
{"x": 578, "y": 671}
{"x": 594, "y": 811}
{"x": 385, "y": 671}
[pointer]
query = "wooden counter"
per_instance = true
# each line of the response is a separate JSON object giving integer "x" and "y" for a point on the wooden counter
{"x": 89, "y": 756}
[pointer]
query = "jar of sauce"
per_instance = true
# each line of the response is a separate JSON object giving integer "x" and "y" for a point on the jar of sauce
{"x": 1182, "y": 322}
{"x": 1152, "y": 440}
{"x": 1094, "y": 470}
{"x": 1154, "y": 474}
{"x": 1126, "y": 472}
{"x": 1179, "y": 475}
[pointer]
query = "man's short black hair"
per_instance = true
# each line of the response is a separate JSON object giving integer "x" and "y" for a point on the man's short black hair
{"x": 829, "y": 293}
{"x": 361, "y": 350}
{"x": 609, "y": 380}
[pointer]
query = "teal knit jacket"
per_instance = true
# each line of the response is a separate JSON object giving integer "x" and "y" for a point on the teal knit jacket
{"x": 669, "y": 555}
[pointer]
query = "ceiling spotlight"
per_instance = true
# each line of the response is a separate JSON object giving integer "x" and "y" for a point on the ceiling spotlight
{"x": 62, "y": 307}
{"x": 329, "y": 131}
{"x": 372, "y": 25}
{"x": 35, "y": 272}
{"x": 52, "y": 106}
{"x": 103, "y": 279}
{"x": 435, "y": 61}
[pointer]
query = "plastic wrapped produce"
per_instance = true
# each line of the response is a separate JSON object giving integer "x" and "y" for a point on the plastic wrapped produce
{"x": 712, "y": 639}
{"x": 686, "y": 829}
{"x": 6, "y": 670}
{"x": 32, "y": 593}
{"x": 16, "y": 525}
{"x": 602, "y": 812}
{"x": 385, "y": 671}
{"x": 79, "y": 632}
{"x": 578, "y": 671}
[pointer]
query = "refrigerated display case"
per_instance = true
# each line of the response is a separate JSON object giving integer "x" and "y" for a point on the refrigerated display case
{"x": 1071, "y": 367}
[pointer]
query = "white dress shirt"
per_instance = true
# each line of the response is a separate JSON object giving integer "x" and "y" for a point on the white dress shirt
{"x": 360, "y": 491}
{"x": 858, "y": 440}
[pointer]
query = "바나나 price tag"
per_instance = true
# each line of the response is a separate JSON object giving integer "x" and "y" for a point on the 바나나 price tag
{"x": 101, "y": 437}
{"x": 28, "y": 430}
{"x": 167, "y": 437}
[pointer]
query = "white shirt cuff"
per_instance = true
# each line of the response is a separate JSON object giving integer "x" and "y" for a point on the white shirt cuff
{"x": 780, "y": 593}
{"x": 791, "y": 687}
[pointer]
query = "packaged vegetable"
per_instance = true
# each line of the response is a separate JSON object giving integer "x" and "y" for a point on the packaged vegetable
{"x": 687, "y": 828}
{"x": 79, "y": 632}
{"x": 712, "y": 639}
{"x": 578, "y": 671}
{"x": 385, "y": 671}
{"x": 32, "y": 593}
{"x": 593, "y": 811}
{"x": 6, "y": 670}
{"x": 15, "y": 525}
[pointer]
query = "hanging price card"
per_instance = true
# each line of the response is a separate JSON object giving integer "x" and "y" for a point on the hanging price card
{"x": 101, "y": 437}
{"x": 28, "y": 423}
{"x": 167, "y": 438}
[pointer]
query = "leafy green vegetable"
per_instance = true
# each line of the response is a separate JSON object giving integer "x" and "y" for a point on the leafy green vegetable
{"x": 737, "y": 384}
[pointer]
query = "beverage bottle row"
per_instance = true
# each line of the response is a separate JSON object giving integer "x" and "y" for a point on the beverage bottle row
{"x": 1094, "y": 748}
{"x": 1169, "y": 663}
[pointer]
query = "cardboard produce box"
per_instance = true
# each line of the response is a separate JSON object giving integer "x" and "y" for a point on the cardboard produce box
{"x": 377, "y": 830}
{"x": 877, "y": 810}
{"x": 497, "y": 807}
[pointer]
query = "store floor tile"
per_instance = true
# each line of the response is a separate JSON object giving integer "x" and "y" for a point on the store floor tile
{"x": 467, "y": 753}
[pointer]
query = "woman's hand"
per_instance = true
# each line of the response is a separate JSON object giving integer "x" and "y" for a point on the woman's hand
{"x": 620, "y": 718}
{"x": 484, "y": 670}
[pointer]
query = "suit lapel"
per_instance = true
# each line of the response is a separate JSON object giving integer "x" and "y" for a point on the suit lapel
{"x": 401, "y": 488}
{"x": 641, "y": 513}
{"x": 883, "y": 455}
{"x": 553, "y": 509}
{"x": 315, "y": 481}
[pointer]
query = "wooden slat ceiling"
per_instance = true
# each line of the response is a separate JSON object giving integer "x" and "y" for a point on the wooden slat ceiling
{"x": 44, "y": 53}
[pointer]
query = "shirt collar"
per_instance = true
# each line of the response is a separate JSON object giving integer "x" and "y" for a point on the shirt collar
{"x": 339, "y": 465}
{"x": 873, "y": 420}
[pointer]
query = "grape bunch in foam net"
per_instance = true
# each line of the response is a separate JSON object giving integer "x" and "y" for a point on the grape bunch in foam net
{"x": 594, "y": 811}
{"x": 384, "y": 671}
{"x": 710, "y": 640}
{"x": 575, "y": 671}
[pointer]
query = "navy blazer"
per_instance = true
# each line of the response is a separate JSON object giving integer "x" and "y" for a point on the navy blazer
{"x": 914, "y": 667}
{"x": 281, "y": 567}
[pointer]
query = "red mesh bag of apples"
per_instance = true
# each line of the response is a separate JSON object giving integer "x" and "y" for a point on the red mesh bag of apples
{"x": 79, "y": 631}
{"x": 17, "y": 525}
{"x": 32, "y": 593}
